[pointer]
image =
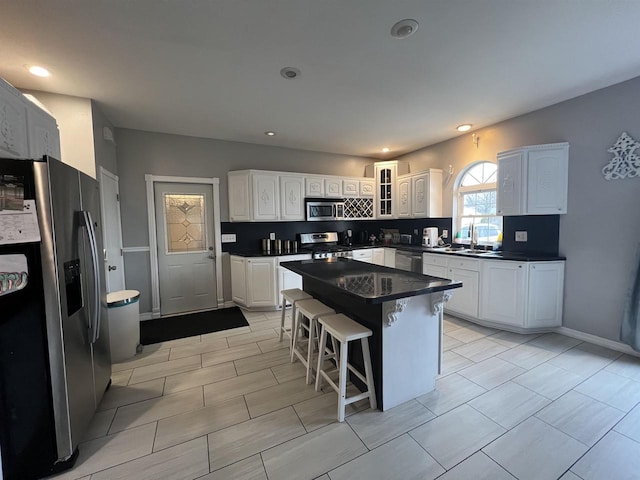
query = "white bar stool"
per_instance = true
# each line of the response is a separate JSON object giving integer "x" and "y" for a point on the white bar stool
{"x": 344, "y": 330}
{"x": 292, "y": 295}
{"x": 312, "y": 310}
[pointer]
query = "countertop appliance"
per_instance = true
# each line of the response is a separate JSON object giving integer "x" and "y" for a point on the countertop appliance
{"x": 430, "y": 237}
{"x": 346, "y": 238}
{"x": 324, "y": 245}
{"x": 409, "y": 261}
{"x": 323, "y": 210}
{"x": 54, "y": 339}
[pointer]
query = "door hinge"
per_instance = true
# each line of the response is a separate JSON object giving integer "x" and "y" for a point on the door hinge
{"x": 117, "y": 197}
{"x": 121, "y": 252}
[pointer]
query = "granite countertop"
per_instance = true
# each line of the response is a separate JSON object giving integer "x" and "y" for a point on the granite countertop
{"x": 367, "y": 282}
{"x": 260, "y": 253}
{"x": 488, "y": 254}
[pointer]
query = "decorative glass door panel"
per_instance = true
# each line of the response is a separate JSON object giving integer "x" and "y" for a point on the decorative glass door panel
{"x": 185, "y": 218}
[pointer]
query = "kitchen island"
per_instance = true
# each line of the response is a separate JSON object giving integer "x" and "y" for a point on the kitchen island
{"x": 402, "y": 309}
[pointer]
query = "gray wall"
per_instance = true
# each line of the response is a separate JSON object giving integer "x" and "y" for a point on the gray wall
{"x": 599, "y": 234}
{"x": 141, "y": 153}
{"x": 105, "y": 151}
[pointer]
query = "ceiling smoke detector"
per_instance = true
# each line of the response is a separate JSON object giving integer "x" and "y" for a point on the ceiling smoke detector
{"x": 404, "y": 28}
{"x": 290, "y": 72}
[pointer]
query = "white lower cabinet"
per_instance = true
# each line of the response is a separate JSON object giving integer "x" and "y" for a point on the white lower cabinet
{"x": 503, "y": 287}
{"x": 363, "y": 255}
{"x": 256, "y": 282}
{"x": 464, "y": 300}
{"x": 286, "y": 278}
{"x": 545, "y": 295}
{"x": 518, "y": 296}
{"x": 239, "y": 279}
{"x": 390, "y": 257}
{"x": 371, "y": 255}
{"x": 378, "y": 256}
{"x": 522, "y": 295}
{"x": 434, "y": 265}
{"x": 261, "y": 284}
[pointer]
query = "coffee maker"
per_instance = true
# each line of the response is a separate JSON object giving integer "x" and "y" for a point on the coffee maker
{"x": 346, "y": 238}
{"x": 430, "y": 237}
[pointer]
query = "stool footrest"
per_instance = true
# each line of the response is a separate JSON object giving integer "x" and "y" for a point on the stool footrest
{"x": 355, "y": 398}
{"x": 356, "y": 373}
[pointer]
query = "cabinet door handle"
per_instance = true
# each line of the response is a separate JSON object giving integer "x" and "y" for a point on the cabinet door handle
{"x": 519, "y": 266}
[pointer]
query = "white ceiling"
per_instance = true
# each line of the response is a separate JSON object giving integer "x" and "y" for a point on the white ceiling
{"x": 211, "y": 68}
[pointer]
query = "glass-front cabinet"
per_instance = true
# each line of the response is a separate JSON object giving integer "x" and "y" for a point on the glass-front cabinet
{"x": 386, "y": 174}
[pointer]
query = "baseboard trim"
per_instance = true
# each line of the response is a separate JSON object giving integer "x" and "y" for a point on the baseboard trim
{"x": 229, "y": 304}
{"x": 146, "y": 316}
{"x": 603, "y": 342}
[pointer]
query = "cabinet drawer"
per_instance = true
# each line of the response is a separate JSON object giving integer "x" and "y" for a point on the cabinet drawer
{"x": 365, "y": 253}
{"x": 434, "y": 259}
{"x": 464, "y": 264}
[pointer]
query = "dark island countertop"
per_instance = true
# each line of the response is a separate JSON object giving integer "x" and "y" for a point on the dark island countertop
{"x": 367, "y": 282}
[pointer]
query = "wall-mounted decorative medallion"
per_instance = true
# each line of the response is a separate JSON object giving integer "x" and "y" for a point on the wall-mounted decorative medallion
{"x": 625, "y": 162}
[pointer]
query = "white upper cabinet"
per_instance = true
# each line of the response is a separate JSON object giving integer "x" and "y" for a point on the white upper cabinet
{"x": 404, "y": 196}
{"x": 44, "y": 138}
{"x": 386, "y": 175}
{"x": 509, "y": 200}
{"x": 350, "y": 187}
{"x": 419, "y": 195}
{"x": 533, "y": 180}
{"x": 291, "y": 198}
{"x": 239, "y": 197}
{"x": 266, "y": 193}
{"x": 333, "y": 187}
{"x": 13, "y": 123}
{"x": 314, "y": 187}
{"x": 367, "y": 188}
{"x": 426, "y": 194}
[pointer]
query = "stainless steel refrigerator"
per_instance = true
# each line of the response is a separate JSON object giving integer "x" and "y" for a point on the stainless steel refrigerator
{"x": 54, "y": 337}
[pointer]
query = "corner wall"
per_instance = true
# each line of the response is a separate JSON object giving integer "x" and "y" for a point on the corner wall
{"x": 600, "y": 233}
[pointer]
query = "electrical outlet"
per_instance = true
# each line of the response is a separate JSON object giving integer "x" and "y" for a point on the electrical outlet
{"x": 228, "y": 238}
{"x": 272, "y": 236}
{"x": 415, "y": 231}
{"x": 445, "y": 233}
{"x": 521, "y": 236}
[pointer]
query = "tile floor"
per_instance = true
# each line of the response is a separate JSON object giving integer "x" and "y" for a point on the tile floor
{"x": 229, "y": 405}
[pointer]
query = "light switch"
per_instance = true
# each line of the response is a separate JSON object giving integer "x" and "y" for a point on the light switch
{"x": 521, "y": 236}
{"x": 228, "y": 238}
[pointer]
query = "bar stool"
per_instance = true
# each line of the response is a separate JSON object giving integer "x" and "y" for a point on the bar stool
{"x": 344, "y": 330}
{"x": 312, "y": 310}
{"x": 292, "y": 295}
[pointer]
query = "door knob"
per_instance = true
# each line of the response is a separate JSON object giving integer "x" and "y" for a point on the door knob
{"x": 112, "y": 268}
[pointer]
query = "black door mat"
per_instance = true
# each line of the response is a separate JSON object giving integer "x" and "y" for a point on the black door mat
{"x": 190, "y": 324}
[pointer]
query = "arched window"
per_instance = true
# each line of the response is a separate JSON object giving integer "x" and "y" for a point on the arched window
{"x": 476, "y": 204}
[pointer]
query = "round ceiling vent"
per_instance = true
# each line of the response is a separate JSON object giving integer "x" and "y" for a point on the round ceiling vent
{"x": 404, "y": 28}
{"x": 290, "y": 72}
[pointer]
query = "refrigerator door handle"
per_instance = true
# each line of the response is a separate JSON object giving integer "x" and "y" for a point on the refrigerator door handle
{"x": 91, "y": 233}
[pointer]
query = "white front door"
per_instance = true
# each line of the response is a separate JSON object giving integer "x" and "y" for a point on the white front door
{"x": 112, "y": 231}
{"x": 186, "y": 255}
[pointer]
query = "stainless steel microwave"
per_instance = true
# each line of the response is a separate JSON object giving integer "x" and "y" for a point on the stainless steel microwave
{"x": 318, "y": 210}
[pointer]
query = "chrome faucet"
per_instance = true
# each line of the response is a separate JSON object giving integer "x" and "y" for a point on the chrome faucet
{"x": 473, "y": 243}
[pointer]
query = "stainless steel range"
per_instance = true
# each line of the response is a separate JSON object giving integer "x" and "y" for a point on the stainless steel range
{"x": 324, "y": 245}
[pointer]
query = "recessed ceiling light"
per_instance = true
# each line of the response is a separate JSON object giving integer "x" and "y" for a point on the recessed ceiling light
{"x": 464, "y": 127}
{"x": 270, "y": 134}
{"x": 404, "y": 28}
{"x": 39, "y": 71}
{"x": 385, "y": 149}
{"x": 290, "y": 72}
